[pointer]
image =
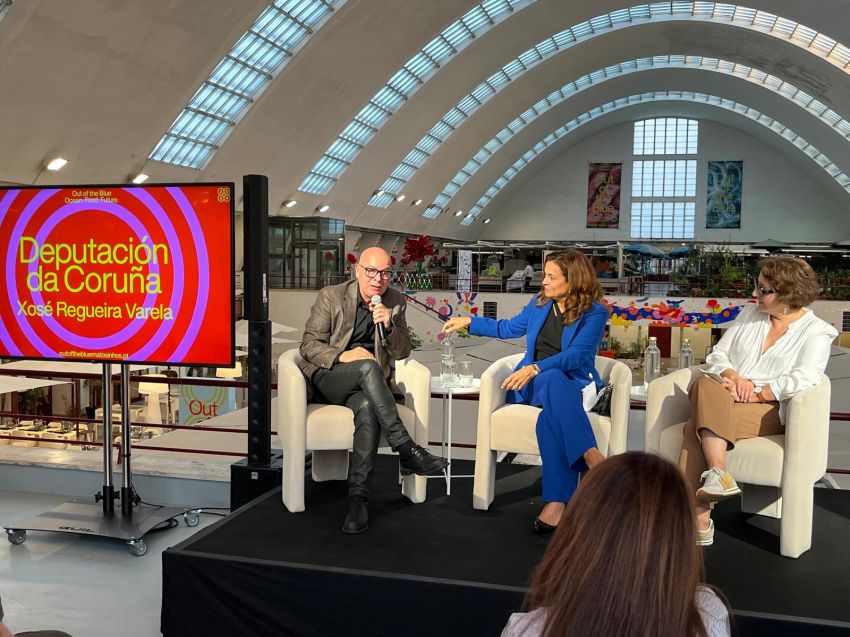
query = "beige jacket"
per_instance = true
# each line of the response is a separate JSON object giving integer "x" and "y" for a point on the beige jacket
{"x": 331, "y": 324}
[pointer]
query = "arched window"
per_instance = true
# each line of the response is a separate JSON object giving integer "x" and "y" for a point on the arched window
{"x": 664, "y": 172}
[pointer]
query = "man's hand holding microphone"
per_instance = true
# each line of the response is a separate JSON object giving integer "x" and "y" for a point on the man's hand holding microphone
{"x": 381, "y": 317}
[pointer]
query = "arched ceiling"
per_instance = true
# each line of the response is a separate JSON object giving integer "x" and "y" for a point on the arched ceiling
{"x": 99, "y": 83}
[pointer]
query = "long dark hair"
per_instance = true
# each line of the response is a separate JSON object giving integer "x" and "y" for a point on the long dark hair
{"x": 624, "y": 560}
{"x": 584, "y": 286}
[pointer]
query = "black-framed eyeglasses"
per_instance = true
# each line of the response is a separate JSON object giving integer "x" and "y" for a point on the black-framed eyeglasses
{"x": 760, "y": 289}
{"x": 371, "y": 273}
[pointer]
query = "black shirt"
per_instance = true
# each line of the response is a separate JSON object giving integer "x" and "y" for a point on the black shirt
{"x": 549, "y": 339}
{"x": 364, "y": 329}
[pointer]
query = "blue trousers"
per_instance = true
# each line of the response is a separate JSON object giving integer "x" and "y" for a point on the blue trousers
{"x": 563, "y": 432}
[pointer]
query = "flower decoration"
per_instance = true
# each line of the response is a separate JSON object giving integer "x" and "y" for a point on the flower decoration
{"x": 418, "y": 250}
{"x": 392, "y": 259}
{"x": 351, "y": 258}
{"x": 329, "y": 255}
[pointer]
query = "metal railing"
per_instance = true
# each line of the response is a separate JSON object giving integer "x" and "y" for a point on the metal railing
{"x": 416, "y": 281}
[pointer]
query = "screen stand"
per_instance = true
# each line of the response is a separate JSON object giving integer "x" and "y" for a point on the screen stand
{"x": 84, "y": 517}
{"x": 128, "y": 496}
{"x": 107, "y": 494}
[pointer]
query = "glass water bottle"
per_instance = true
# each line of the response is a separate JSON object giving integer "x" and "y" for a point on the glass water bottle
{"x": 651, "y": 361}
{"x": 686, "y": 354}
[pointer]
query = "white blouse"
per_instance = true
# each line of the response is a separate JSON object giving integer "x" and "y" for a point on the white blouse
{"x": 714, "y": 614}
{"x": 796, "y": 361}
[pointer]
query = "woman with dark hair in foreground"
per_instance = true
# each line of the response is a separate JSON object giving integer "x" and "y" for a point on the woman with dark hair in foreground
{"x": 624, "y": 560}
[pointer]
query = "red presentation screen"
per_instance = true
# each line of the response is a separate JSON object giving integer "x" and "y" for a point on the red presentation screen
{"x": 124, "y": 274}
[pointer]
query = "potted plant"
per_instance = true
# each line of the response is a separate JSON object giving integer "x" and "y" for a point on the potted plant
{"x": 418, "y": 251}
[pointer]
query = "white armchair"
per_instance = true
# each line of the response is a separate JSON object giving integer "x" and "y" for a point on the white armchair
{"x": 328, "y": 430}
{"x": 776, "y": 473}
{"x": 504, "y": 427}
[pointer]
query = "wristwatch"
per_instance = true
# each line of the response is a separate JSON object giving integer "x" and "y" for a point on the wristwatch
{"x": 534, "y": 369}
{"x": 757, "y": 389}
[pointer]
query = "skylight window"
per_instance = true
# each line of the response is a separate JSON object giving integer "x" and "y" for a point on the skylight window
{"x": 663, "y": 202}
{"x": 406, "y": 81}
{"x": 744, "y": 17}
{"x": 239, "y": 79}
{"x": 841, "y": 178}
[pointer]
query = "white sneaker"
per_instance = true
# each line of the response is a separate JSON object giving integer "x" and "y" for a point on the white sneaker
{"x": 706, "y": 538}
{"x": 717, "y": 485}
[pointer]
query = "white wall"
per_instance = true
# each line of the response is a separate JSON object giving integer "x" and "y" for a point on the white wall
{"x": 780, "y": 201}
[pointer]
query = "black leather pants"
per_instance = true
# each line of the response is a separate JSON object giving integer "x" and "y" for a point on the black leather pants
{"x": 360, "y": 386}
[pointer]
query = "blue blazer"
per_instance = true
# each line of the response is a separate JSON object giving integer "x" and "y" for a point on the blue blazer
{"x": 578, "y": 343}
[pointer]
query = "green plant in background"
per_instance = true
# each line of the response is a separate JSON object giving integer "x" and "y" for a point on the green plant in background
{"x": 70, "y": 409}
{"x": 632, "y": 350}
{"x": 28, "y": 401}
{"x": 415, "y": 341}
{"x": 691, "y": 264}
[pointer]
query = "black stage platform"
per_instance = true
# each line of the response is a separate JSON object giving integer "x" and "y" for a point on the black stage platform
{"x": 443, "y": 568}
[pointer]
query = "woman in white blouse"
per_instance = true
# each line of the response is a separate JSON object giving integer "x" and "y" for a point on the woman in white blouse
{"x": 775, "y": 349}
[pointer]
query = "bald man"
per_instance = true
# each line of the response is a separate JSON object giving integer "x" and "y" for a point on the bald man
{"x": 345, "y": 363}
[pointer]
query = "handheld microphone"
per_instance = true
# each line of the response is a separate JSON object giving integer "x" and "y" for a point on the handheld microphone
{"x": 382, "y": 334}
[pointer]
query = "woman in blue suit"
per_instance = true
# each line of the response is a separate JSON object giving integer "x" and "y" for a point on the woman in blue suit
{"x": 563, "y": 326}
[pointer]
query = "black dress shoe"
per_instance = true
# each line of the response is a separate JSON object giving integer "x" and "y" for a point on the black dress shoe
{"x": 357, "y": 519}
{"x": 422, "y": 462}
{"x": 541, "y": 528}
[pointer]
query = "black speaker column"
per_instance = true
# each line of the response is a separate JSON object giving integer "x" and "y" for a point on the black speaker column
{"x": 255, "y": 190}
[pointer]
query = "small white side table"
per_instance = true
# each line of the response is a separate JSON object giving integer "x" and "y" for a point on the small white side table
{"x": 438, "y": 390}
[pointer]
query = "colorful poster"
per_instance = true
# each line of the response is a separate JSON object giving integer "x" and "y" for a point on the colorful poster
{"x": 603, "y": 195}
{"x": 723, "y": 196}
{"x": 127, "y": 274}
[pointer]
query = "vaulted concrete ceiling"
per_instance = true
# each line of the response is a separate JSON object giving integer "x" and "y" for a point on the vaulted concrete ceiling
{"x": 99, "y": 82}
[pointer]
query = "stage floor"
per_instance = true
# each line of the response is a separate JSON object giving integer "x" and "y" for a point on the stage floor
{"x": 263, "y": 566}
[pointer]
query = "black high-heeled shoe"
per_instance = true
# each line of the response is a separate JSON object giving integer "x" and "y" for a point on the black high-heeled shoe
{"x": 541, "y": 528}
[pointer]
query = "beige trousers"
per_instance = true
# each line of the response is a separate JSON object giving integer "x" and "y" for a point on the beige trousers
{"x": 712, "y": 408}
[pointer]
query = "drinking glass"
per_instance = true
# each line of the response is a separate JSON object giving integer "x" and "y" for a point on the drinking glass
{"x": 448, "y": 373}
{"x": 464, "y": 373}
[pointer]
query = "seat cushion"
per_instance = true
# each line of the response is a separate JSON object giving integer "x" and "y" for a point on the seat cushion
{"x": 513, "y": 428}
{"x": 671, "y": 441}
{"x": 758, "y": 460}
{"x": 329, "y": 427}
{"x": 752, "y": 461}
{"x": 332, "y": 426}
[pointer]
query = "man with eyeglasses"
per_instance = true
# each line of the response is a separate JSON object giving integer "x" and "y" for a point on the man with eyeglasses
{"x": 345, "y": 363}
